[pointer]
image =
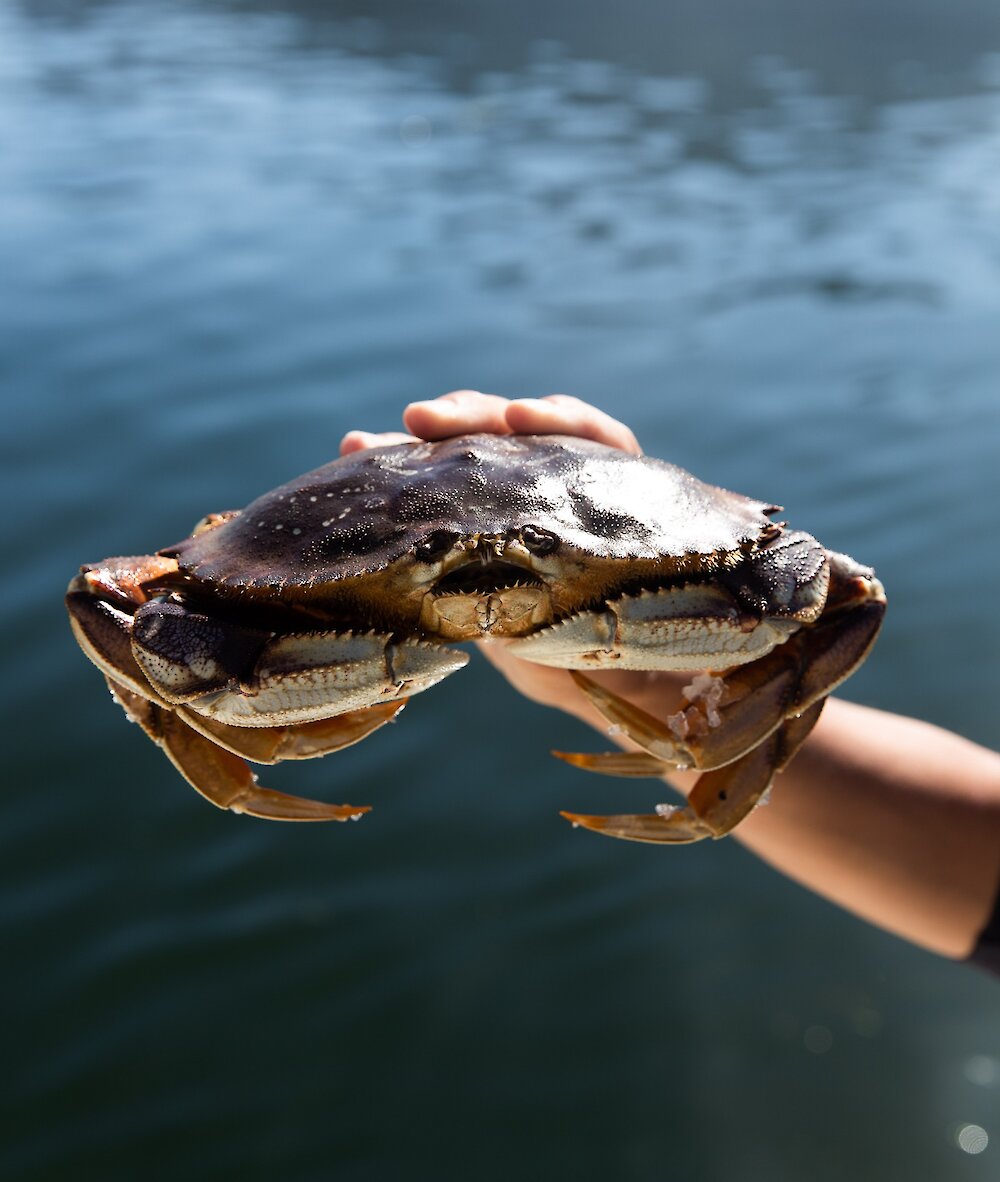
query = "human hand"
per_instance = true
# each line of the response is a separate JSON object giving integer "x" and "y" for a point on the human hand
{"x": 465, "y": 412}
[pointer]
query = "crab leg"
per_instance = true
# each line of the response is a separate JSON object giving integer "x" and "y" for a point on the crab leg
{"x": 742, "y": 726}
{"x": 307, "y": 740}
{"x": 221, "y": 777}
{"x": 719, "y": 718}
{"x": 206, "y": 753}
{"x": 720, "y": 799}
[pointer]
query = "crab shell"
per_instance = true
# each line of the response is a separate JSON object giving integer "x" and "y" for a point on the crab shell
{"x": 312, "y": 614}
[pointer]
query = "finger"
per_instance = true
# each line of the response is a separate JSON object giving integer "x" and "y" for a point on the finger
{"x": 361, "y": 440}
{"x": 462, "y": 412}
{"x": 559, "y": 414}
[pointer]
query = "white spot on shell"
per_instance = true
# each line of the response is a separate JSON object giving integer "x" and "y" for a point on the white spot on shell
{"x": 296, "y": 530}
{"x": 313, "y": 499}
{"x": 259, "y": 523}
{"x": 279, "y": 526}
{"x": 329, "y": 521}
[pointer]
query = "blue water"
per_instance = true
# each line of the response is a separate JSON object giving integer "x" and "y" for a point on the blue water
{"x": 770, "y": 241}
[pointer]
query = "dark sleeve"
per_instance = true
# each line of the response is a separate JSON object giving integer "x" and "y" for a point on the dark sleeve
{"x": 986, "y": 953}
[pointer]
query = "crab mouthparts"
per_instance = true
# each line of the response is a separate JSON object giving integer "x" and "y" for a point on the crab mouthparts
{"x": 479, "y": 599}
{"x": 484, "y": 578}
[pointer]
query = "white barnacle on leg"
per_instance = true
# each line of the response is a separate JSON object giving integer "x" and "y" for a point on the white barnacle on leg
{"x": 706, "y": 690}
{"x": 678, "y": 723}
{"x": 667, "y": 810}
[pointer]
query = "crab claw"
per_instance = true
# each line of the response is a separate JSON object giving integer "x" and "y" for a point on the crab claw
{"x": 222, "y": 778}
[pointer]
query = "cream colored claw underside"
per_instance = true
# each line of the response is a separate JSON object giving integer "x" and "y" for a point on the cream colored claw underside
{"x": 683, "y": 628}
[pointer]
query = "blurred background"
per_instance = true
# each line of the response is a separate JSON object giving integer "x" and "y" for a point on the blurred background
{"x": 765, "y": 233}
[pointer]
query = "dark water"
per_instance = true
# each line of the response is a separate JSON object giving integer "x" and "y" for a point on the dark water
{"x": 768, "y": 238}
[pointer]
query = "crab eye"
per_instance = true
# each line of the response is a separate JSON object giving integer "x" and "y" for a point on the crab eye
{"x": 434, "y": 545}
{"x": 538, "y": 541}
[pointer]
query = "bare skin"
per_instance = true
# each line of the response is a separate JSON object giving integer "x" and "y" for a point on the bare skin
{"x": 892, "y": 818}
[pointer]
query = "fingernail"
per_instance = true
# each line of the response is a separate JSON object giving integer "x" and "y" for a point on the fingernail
{"x": 437, "y": 406}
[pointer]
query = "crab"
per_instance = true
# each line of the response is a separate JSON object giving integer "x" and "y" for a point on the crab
{"x": 306, "y": 621}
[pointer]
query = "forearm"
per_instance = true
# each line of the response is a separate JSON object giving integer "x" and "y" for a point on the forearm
{"x": 892, "y": 818}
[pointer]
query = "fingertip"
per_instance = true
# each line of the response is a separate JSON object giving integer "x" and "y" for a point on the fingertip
{"x": 428, "y": 421}
{"x": 363, "y": 440}
{"x": 354, "y": 441}
{"x": 562, "y": 414}
{"x": 460, "y": 412}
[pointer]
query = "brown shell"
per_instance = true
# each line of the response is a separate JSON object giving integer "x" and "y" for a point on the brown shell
{"x": 361, "y": 513}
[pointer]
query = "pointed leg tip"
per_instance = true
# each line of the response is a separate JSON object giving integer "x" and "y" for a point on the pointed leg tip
{"x": 275, "y": 807}
{"x": 675, "y": 828}
{"x": 337, "y": 812}
{"x": 615, "y": 763}
{"x": 585, "y": 821}
{"x": 571, "y": 757}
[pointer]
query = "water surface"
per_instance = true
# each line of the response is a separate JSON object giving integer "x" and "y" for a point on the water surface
{"x": 231, "y": 232}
